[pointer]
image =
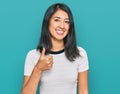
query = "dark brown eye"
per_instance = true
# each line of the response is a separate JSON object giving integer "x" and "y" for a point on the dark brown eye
{"x": 56, "y": 20}
{"x": 68, "y": 22}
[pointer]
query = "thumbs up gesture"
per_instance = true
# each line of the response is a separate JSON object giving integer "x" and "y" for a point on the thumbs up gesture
{"x": 44, "y": 62}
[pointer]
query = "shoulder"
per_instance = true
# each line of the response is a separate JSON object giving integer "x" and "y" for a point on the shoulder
{"x": 82, "y": 51}
{"x": 33, "y": 52}
{"x": 82, "y": 61}
{"x": 30, "y": 61}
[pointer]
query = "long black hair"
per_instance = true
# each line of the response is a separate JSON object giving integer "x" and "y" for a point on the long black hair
{"x": 71, "y": 50}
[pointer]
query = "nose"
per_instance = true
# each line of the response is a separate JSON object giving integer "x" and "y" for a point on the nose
{"x": 62, "y": 24}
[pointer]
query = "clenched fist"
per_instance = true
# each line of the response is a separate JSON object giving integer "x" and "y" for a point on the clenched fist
{"x": 44, "y": 62}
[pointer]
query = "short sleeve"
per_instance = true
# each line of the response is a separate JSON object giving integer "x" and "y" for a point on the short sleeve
{"x": 83, "y": 62}
{"x": 29, "y": 65}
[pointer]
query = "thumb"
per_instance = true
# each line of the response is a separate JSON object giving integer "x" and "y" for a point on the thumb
{"x": 42, "y": 53}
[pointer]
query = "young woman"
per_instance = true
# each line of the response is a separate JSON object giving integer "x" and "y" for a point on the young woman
{"x": 57, "y": 63}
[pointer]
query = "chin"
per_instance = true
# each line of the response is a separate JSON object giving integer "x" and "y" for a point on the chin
{"x": 60, "y": 37}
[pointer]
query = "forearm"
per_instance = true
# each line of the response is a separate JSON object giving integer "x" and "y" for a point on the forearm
{"x": 83, "y": 92}
{"x": 83, "y": 89}
{"x": 83, "y": 83}
{"x": 31, "y": 86}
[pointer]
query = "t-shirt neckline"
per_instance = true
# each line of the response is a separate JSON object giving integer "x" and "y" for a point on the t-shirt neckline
{"x": 57, "y": 52}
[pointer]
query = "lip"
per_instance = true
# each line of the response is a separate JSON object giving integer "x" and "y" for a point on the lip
{"x": 60, "y": 32}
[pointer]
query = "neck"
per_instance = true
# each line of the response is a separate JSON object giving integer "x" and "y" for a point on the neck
{"x": 57, "y": 45}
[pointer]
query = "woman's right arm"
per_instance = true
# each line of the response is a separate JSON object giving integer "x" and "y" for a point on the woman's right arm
{"x": 31, "y": 82}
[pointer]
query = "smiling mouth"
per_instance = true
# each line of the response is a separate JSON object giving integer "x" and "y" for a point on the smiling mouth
{"x": 59, "y": 32}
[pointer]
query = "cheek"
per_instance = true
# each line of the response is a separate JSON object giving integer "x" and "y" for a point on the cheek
{"x": 67, "y": 28}
{"x": 67, "y": 31}
{"x": 52, "y": 26}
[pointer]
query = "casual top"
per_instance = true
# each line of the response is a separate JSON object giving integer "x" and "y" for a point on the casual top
{"x": 62, "y": 78}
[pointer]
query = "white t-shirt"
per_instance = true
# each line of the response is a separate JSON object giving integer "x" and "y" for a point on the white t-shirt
{"x": 62, "y": 78}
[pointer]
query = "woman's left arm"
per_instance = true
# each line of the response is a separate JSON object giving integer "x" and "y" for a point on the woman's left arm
{"x": 83, "y": 82}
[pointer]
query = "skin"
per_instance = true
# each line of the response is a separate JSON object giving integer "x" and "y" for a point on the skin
{"x": 59, "y": 28}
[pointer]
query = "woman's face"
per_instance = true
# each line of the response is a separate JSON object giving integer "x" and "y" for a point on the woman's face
{"x": 59, "y": 25}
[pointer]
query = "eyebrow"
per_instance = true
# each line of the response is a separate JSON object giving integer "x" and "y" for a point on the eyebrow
{"x": 60, "y": 18}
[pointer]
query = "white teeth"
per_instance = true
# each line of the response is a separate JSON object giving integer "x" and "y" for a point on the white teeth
{"x": 59, "y": 32}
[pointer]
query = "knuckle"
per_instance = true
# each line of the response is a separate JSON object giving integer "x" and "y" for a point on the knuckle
{"x": 47, "y": 62}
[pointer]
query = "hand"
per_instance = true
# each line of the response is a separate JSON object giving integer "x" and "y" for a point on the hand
{"x": 44, "y": 62}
